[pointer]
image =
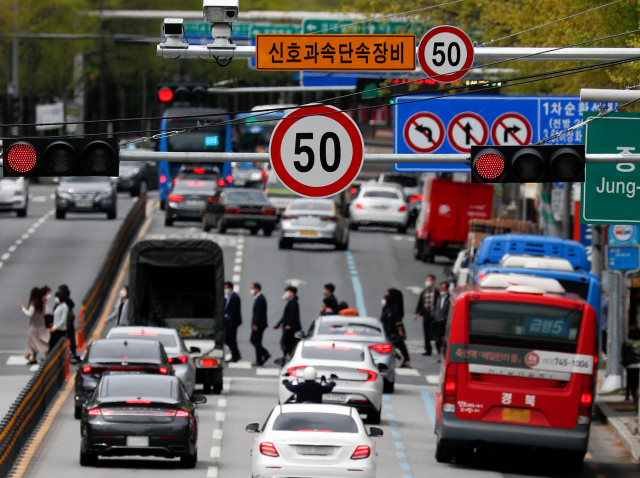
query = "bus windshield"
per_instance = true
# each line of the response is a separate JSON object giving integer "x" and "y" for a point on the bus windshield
{"x": 255, "y": 134}
{"x": 521, "y": 325}
{"x": 209, "y": 139}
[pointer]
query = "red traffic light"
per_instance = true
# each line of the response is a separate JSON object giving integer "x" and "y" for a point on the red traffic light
{"x": 21, "y": 158}
{"x": 489, "y": 165}
{"x": 165, "y": 94}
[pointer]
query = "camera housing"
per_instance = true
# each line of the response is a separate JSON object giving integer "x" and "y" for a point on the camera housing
{"x": 221, "y": 11}
{"x": 173, "y": 29}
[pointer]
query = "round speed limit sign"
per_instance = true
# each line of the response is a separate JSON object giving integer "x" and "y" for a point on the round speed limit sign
{"x": 445, "y": 53}
{"x": 316, "y": 151}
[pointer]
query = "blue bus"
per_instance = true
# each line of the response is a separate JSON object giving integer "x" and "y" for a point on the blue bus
{"x": 254, "y": 130}
{"x": 210, "y": 139}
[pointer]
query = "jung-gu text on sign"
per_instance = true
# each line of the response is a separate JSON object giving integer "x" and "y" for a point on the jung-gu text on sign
{"x": 336, "y": 52}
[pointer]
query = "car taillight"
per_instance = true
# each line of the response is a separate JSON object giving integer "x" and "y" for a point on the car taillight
{"x": 198, "y": 170}
{"x": 221, "y": 183}
{"x": 371, "y": 375}
{"x": 359, "y": 206}
{"x": 94, "y": 412}
{"x": 181, "y": 359}
{"x": 449, "y": 396}
{"x": 139, "y": 402}
{"x": 182, "y": 414}
{"x": 413, "y": 198}
{"x": 264, "y": 176}
{"x": 229, "y": 179}
{"x": 175, "y": 181}
{"x": 586, "y": 400}
{"x": 268, "y": 449}
{"x": 291, "y": 371}
{"x": 212, "y": 199}
{"x": 381, "y": 348}
{"x": 175, "y": 198}
{"x": 163, "y": 370}
{"x": 287, "y": 218}
{"x": 363, "y": 451}
{"x": 402, "y": 208}
{"x": 207, "y": 363}
{"x": 352, "y": 190}
{"x": 231, "y": 210}
{"x": 86, "y": 369}
{"x": 420, "y": 197}
{"x": 269, "y": 212}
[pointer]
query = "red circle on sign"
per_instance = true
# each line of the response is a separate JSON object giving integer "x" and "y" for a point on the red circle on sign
{"x": 532, "y": 359}
{"x": 478, "y": 141}
{"x": 448, "y": 78}
{"x": 412, "y": 121}
{"x": 357, "y": 159}
{"x": 500, "y": 121}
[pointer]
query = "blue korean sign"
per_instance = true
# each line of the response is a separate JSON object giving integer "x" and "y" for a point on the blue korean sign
{"x": 624, "y": 235}
{"x": 428, "y": 124}
{"x": 547, "y": 327}
{"x": 623, "y": 258}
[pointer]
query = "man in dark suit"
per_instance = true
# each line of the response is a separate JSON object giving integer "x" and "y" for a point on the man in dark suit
{"x": 233, "y": 319}
{"x": 426, "y": 309}
{"x": 259, "y": 323}
{"x": 330, "y": 303}
{"x": 440, "y": 316}
{"x": 290, "y": 321}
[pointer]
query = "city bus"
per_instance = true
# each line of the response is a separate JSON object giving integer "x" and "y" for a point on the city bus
{"x": 518, "y": 369}
{"x": 210, "y": 139}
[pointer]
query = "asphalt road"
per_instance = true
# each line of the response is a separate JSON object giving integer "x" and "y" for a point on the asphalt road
{"x": 377, "y": 260}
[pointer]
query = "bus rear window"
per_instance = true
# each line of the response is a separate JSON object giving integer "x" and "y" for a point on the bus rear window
{"x": 511, "y": 324}
{"x": 581, "y": 289}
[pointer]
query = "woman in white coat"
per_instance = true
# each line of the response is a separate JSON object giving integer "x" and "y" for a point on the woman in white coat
{"x": 38, "y": 341}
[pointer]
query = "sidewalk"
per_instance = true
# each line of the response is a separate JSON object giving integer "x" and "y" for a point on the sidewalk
{"x": 622, "y": 416}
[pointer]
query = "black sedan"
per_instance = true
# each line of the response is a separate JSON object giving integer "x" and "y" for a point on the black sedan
{"x": 86, "y": 194}
{"x": 187, "y": 200}
{"x": 139, "y": 416}
{"x": 136, "y": 177}
{"x": 119, "y": 357}
{"x": 240, "y": 208}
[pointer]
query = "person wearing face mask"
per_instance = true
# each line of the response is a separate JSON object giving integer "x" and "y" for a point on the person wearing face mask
{"x": 233, "y": 320}
{"x": 38, "y": 341}
{"x": 119, "y": 313}
{"x": 259, "y": 324}
{"x": 440, "y": 317}
{"x": 48, "y": 313}
{"x": 71, "y": 327}
{"x": 59, "y": 328}
{"x": 426, "y": 309}
{"x": 393, "y": 326}
{"x": 290, "y": 321}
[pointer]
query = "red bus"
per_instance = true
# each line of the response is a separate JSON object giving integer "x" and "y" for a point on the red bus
{"x": 518, "y": 368}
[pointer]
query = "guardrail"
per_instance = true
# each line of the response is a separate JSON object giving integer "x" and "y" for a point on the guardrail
{"x": 30, "y": 406}
{"x": 97, "y": 294}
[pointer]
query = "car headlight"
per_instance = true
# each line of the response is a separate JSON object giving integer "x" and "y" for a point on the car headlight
{"x": 63, "y": 193}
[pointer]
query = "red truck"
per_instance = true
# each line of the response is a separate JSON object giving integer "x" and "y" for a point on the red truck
{"x": 443, "y": 224}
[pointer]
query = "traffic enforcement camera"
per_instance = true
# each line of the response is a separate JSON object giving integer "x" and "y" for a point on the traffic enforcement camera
{"x": 527, "y": 164}
{"x": 40, "y": 157}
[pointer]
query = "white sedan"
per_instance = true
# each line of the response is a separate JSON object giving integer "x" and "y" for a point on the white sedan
{"x": 313, "y": 440}
{"x": 379, "y": 205}
{"x": 349, "y": 364}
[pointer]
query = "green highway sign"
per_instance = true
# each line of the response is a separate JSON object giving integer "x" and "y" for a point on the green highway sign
{"x": 275, "y": 29}
{"x": 611, "y": 192}
{"x": 312, "y": 25}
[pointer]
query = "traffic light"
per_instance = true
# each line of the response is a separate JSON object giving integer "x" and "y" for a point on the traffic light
{"x": 527, "y": 164}
{"x": 193, "y": 93}
{"x": 14, "y": 110}
{"x": 40, "y": 157}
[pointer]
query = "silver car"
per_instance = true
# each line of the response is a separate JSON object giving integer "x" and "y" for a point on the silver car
{"x": 14, "y": 195}
{"x": 313, "y": 221}
{"x": 366, "y": 330}
{"x": 179, "y": 355}
{"x": 348, "y": 364}
{"x": 410, "y": 184}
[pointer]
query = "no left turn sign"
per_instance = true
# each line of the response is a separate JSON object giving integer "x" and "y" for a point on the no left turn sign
{"x": 445, "y": 53}
{"x": 511, "y": 129}
{"x": 316, "y": 151}
{"x": 466, "y": 130}
{"x": 424, "y": 132}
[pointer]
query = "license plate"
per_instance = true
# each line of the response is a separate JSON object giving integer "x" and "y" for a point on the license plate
{"x": 195, "y": 203}
{"x": 334, "y": 397}
{"x": 250, "y": 223}
{"x": 308, "y": 233}
{"x": 125, "y": 372}
{"x": 84, "y": 204}
{"x": 381, "y": 207}
{"x": 314, "y": 450}
{"x": 518, "y": 415}
{"x": 138, "y": 441}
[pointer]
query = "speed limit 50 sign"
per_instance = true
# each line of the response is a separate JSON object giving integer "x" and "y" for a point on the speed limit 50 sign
{"x": 445, "y": 53}
{"x": 316, "y": 151}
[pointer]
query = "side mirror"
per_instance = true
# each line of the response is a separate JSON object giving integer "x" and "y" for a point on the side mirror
{"x": 81, "y": 397}
{"x": 375, "y": 432}
{"x": 199, "y": 399}
{"x": 299, "y": 335}
{"x": 195, "y": 350}
{"x": 253, "y": 428}
{"x": 279, "y": 362}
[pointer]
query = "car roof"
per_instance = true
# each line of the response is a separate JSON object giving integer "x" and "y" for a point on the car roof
{"x": 337, "y": 343}
{"x": 381, "y": 186}
{"x": 314, "y": 408}
{"x": 351, "y": 319}
{"x": 143, "y": 331}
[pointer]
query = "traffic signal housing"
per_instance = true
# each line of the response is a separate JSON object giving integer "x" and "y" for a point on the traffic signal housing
{"x": 527, "y": 164}
{"x": 193, "y": 93}
{"x": 40, "y": 157}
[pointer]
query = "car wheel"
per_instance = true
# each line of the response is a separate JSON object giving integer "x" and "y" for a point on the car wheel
{"x": 217, "y": 388}
{"x": 388, "y": 386}
{"x": 163, "y": 205}
{"x": 443, "y": 454}
{"x": 168, "y": 222}
{"x": 60, "y": 214}
{"x": 417, "y": 250}
{"x": 353, "y": 226}
{"x": 572, "y": 463}
{"x": 207, "y": 388}
{"x": 464, "y": 456}
{"x": 220, "y": 227}
{"x": 87, "y": 459}
{"x": 112, "y": 214}
{"x": 189, "y": 461}
{"x": 77, "y": 411}
{"x": 428, "y": 258}
{"x": 22, "y": 212}
{"x": 284, "y": 244}
{"x": 402, "y": 229}
{"x": 254, "y": 231}
{"x": 267, "y": 231}
{"x": 373, "y": 417}
{"x": 205, "y": 224}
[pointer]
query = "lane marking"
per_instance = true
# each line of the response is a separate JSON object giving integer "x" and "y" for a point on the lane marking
{"x": 237, "y": 268}
{"x": 217, "y": 434}
{"x": 0, "y": 265}
{"x": 220, "y": 417}
{"x": 402, "y": 455}
{"x": 215, "y": 452}
{"x": 34, "y": 368}
{"x": 235, "y": 279}
{"x": 222, "y": 402}
{"x": 390, "y": 416}
{"x": 242, "y": 364}
{"x": 25, "y": 236}
{"x": 409, "y": 372}
{"x": 17, "y": 360}
{"x": 212, "y": 472}
{"x": 399, "y": 445}
{"x": 431, "y": 408}
{"x": 433, "y": 379}
{"x": 357, "y": 287}
{"x": 238, "y": 260}
{"x": 5, "y": 256}
{"x": 396, "y": 434}
{"x": 272, "y": 372}
{"x": 52, "y": 196}
{"x": 394, "y": 424}
{"x": 239, "y": 253}
{"x": 18, "y": 242}
{"x": 388, "y": 407}
{"x": 12, "y": 248}
{"x": 405, "y": 466}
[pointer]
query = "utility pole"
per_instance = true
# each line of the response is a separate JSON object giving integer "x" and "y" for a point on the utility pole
{"x": 566, "y": 211}
{"x": 14, "y": 87}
